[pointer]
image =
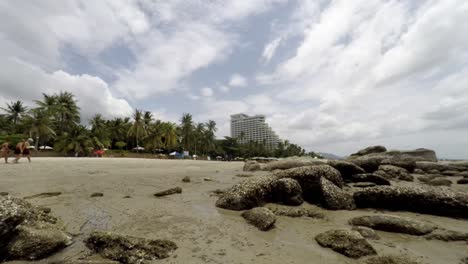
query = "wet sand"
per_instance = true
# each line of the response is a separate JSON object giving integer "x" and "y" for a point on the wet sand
{"x": 203, "y": 233}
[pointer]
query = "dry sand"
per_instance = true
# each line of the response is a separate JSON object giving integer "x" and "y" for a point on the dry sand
{"x": 204, "y": 233}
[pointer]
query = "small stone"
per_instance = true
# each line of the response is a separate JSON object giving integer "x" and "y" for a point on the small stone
{"x": 391, "y": 260}
{"x": 169, "y": 192}
{"x": 3, "y": 193}
{"x": 97, "y": 194}
{"x": 244, "y": 175}
{"x": 207, "y": 179}
{"x": 463, "y": 181}
{"x": 127, "y": 196}
{"x": 439, "y": 182}
{"x": 186, "y": 179}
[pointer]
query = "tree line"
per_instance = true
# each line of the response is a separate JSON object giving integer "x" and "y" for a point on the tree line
{"x": 56, "y": 121}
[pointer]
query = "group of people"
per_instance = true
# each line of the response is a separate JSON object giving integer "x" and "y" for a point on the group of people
{"x": 21, "y": 150}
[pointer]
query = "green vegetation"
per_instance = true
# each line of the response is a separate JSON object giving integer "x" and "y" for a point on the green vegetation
{"x": 55, "y": 121}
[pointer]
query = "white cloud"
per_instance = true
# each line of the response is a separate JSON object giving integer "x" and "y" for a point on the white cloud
{"x": 224, "y": 88}
{"x": 237, "y": 80}
{"x": 27, "y": 83}
{"x": 270, "y": 49}
{"x": 206, "y": 92}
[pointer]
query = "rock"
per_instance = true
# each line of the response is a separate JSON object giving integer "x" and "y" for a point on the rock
{"x": 256, "y": 191}
{"x": 260, "y": 217}
{"x": 244, "y": 175}
{"x": 463, "y": 181}
{"x": 368, "y": 163}
{"x": 43, "y": 195}
{"x": 427, "y": 178}
{"x": 252, "y": 166}
{"x": 97, "y": 194}
{"x": 439, "y": 182}
{"x": 247, "y": 194}
{"x": 186, "y": 179}
{"x": 391, "y": 259}
{"x": 169, "y": 192}
{"x": 36, "y": 243}
{"x": 369, "y": 177}
{"x": 207, "y": 179}
{"x": 309, "y": 178}
{"x": 433, "y": 167}
{"x": 461, "y": 174}
{"x": 408, "y": 164}
{"x": 450, "y": 173}
{"x": 421, "y": 154}
{"x": 393, "y": 172}
{"x": 346, "y": 168}
{"x": 19, "y": 230}
{"x": 294, "y": 211}
{"x": 369, "y": 150}
{"x": 394, "y": 224}
{"x": 287, "y": 191}
{"x": 127, "y": 196}
{"x": 464, "y": 260}
{"x": 346, "y": 242}
{"x": 3, "y": 193}
{"x": 290, "y": 163}
{"x": 364, "y": 184}
{"x": 335, "y": 198}
{"x": 419, "y": 171}
{"x": 435, "y": 201}
{"x": 129, "y": 250}
{"x": 366, "y": 232}
{"x": 447, "y": 235}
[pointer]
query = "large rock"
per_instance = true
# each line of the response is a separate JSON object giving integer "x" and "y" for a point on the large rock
{"x": 252, "y": 166}
{"x": 421, "y": 154}
{"x": 19, "y": 234}
{"x": 393, "y": 172}
{"x": 346, "y": 242}
{"x": 129, "y": 250}
{"x": 463, "y": 181}
{"x": 335, "y": 198}
{"x": 168, "y": 192}
{"x": 434, "y": 167}
{"x": 346, "y": 168}
{"x": 309, "y": 178}
{"x": 366, "y": 232}
{"x": 247, "y": 194}
{"x": 436, "y": 201}
{"x": 368, "y": 163}
{"x": 395, "y": 224}
{"x": 370, "y": 177}
{"x": 439, "y": 182}
{"x": 369, "y": 150}
{"x": 447, "y": 235}
{"x": 287, "y": 191}
{"x": 260, "y": 217}
{"x": 290, "y": 163}
{"x": 33, "y": 243}
{"x": 254, "y": 192}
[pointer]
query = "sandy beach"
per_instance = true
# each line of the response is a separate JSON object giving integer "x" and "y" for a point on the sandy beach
{"x": 203, "y": 232}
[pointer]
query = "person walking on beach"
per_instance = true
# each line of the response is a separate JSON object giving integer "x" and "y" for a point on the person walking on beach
{"x": 19, "y": 150}
{"x": 5, "y": 150}
{"x": 26, "y": 151}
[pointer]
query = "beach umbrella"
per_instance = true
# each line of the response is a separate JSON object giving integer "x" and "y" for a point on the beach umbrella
{"x": 31, "y": 147}
{"x": 173, "y": 153}
{"x": 46, "y": 147}
{"x": 138, "y": 148}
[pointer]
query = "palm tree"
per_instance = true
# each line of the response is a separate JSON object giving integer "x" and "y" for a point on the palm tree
{"x": 209, "y": 137}
{"x": 147, "y": 119}
{"x": 67, "y": 111}
{"x": 99, "y": 130}
{"x": 137, "y": 129}
{"x": 77, "y": 140}
{"x": 15, "y": 111}
{"x": 186, "y": 130}
{"x": 39, "y": 125}
{"x": 118, "y": 129}
{"x": 199, "y": 133}
{"x": 169, "y": 133}
{"x": 48, "y": 103}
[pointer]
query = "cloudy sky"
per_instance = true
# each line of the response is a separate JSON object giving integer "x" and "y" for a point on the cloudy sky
{"x": 332, "y": 76}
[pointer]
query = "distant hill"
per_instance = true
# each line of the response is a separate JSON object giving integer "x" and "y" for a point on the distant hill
{"x": 329, "y": 156}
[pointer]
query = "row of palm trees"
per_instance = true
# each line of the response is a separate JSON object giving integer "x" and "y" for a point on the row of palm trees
{"x": 56, "y": 120}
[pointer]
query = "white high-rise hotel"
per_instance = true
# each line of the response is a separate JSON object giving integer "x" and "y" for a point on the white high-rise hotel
{"x": 253, "y": 128}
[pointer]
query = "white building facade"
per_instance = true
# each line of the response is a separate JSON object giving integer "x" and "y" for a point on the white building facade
{"x": 253, "y": 128}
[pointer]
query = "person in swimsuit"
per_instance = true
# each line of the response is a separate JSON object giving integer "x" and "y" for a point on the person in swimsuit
{"x": 26, "y": 151}
{"x": 19, "y": 150}
{"x": 5, "y": 150}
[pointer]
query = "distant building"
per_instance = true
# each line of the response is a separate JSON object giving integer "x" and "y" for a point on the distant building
{"x": 253, "y": 128}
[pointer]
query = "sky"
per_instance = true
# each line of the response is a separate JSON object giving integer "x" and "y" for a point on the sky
{"x": 332, "y": 76}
